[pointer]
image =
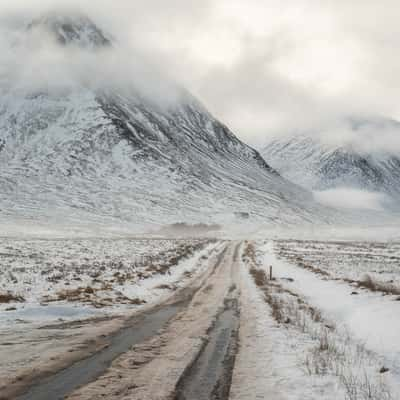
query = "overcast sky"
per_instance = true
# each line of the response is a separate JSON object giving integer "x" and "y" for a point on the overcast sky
{"x": 264, "y": 66}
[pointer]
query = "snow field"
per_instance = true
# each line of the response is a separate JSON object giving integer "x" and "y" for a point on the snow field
{"x": 270, "y": 363}
{"x": 358, "y": 261}
{"x": 355, "y": 336}
{"x": 50, "y": 279}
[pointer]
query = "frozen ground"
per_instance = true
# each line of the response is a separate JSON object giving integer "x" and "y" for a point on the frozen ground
{"x": 60, "y": 298}
{"x": 152, "y": 371}
{"x": 347, "y": 259}
{"x": 344, "y": 339}
{"x": 73, "y": 278}
{"x": 313, "y": 332}
{"x": 269, "y": 363}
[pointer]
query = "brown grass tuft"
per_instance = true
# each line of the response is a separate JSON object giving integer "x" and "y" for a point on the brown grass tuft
{"x": 8, "y": 297}
{"x": 260, "y": 276}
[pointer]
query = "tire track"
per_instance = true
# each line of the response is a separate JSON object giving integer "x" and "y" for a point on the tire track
{"x": 138, "y": 330}
{"x": 210, "y": 375}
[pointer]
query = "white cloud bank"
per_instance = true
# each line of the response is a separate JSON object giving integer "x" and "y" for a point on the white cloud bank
{"x": 347, "y": 198}
{"x": 33, "y": 60}
{"x": 264, "y": 67}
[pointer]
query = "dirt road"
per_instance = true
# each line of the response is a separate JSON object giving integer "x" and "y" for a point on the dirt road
{"x": 216, "y": 337}
{"x": 182, "y": 349}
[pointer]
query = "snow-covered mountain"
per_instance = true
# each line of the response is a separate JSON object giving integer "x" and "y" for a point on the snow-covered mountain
{"x": 316, "y": 165}
{"x": 106, "y": 155}
{"x": 71, "y": 29}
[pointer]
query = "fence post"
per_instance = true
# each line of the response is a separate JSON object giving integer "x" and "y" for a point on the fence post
{"x": 270, "y": 272}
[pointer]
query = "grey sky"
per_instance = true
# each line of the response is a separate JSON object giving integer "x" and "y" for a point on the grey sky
{"x": 264, "y": 67}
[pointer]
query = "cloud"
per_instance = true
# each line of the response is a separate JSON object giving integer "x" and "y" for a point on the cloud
{"x": 265, "y": 67}
{"x": 32, "y": 60}
{"x": 307, "y": 66}
{"x": 368, "y": 135}
{"x": 347, "y": 198}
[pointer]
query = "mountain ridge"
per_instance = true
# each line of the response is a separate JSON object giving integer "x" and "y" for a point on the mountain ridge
{"x": 105, "y": 154}
{"x": 316, "y": 165}
{"x": 68, "y": 29}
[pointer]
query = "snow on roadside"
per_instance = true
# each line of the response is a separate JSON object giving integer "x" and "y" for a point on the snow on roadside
{"x": 77, "y": 279}
{"x": 35, "y": 340}
{"x": 370, "y": 319}
{"x": 268, "y": 364}
{"x": 153, "y": 369}
{"x": 157, "y": 287}
{"x": 349, "y": 260}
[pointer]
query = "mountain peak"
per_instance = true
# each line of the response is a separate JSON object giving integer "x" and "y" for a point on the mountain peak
{"x": 72, "y": 30}
{"x": 318, "y": 165}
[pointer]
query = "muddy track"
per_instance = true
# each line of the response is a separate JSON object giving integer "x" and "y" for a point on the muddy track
{"x": 137, "y": 330}
{"x": 210, "y": 376}
{"x": 66, "y": 381}
{"x": 195, "y": 350}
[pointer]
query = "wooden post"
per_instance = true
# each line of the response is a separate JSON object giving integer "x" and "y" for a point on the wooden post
{"x": 270, "y": 272}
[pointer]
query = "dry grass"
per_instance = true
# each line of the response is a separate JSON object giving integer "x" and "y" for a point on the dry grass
{"x": 165, "y": 261}
{"x": 261, "y": 280}
{"x": 102, "y": 290}
{"x": 249, "y": 253}
{"x": 333, "y": 352}
{"x": 260, "y": 277}
{"x": 375, "y": 286}
{"x": 368, "y": 283}
{"x": 77, "y": 294}
{"x": 300, "y": 262}
{"x": 91, "y": 296}
{"x": 362, "y": 388}
{"x": 165, "y": 286}
{"x": 9, "y": 297}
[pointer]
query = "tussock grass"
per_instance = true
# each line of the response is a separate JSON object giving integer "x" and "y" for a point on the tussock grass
{"x": 9, "y": 297}
{"x": 376, "y": 286}
{"x": 368, "y": 282}
{"x": 333, "y": 351}
{"x": 260, "y": 277}
{"x": 313, "y": 269}
{"x": 165, "y": 286}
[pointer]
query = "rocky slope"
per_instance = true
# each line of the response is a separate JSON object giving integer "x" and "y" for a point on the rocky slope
{"x": 111, "y": 156}
{"x": 318, "y": 166}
